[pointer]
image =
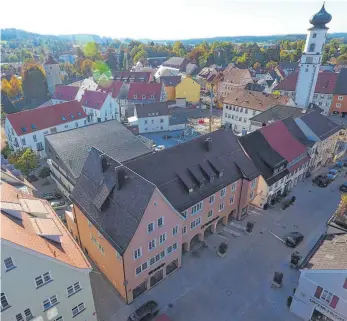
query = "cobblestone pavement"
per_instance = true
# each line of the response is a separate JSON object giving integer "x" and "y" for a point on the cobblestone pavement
{"x": 238, "y": 286}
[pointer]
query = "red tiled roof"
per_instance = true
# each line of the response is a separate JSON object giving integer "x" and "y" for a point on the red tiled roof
{"x": 147, "y": 90}
{"x": 93, "y": 99}
{"x": 112, "y": 87}
{"x": 30, "y": 121}
{"x": 280, "y": 139}
{"x": 23, "y": 233}
{"x": 67, "y": 93}
{"x": 50, "y": 61}
{"x": 326, "y": 82}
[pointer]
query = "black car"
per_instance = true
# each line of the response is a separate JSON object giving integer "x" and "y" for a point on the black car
{"x": 317, "y": 179}
{"x": 145, "y": 312}
{"x": 51, "y": 196}
{"x": 324, "y": 182}
{"x": 294, "y": 238}
{"x": 343, "y": 187}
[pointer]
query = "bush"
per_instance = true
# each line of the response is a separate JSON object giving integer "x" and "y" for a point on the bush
{"x": 44, "y": 172}
{"x": 289, "y": 301}
{"x": 223, "y": 247}
{"x": 6, "y": 151}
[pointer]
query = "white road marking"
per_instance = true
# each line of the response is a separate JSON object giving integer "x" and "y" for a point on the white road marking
{"x": 231, "y": 232}
{"x": 276, "y": 236}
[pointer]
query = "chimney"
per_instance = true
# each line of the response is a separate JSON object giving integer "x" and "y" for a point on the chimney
{"x": 208, "y": 144}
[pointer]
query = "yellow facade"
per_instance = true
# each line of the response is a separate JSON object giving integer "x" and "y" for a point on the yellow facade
{"x": 188, "y": 89}
{"x": 170, "y": 93}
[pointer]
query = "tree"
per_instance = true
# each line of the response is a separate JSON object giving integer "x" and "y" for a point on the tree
{"x": 25, "y": 160}
{"x": 34, "y": 81}
{"x": 6, "y": 87}
{"x": 16, "y": 86}
{"x": 44, "y": 172}
{"x": 178, "y": 49}
{"x": 91, "y": 50}
{"x": 342, "y": 59}
{"x": 256, "y": 65}
{"x": 271, "y": 64}
{"x": 86, "y": 67}
{"x": 140, "y": 55}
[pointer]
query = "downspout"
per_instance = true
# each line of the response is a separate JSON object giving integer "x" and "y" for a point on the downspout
{"x": 125, "y": 287}
{"x": 238, "y": 207}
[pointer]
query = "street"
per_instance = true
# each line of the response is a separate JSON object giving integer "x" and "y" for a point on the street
{"x": 238, "y": 286}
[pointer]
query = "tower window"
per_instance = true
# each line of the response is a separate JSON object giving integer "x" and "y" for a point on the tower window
{"x": 314, "y": 35}
{"x": 312, "y": 47}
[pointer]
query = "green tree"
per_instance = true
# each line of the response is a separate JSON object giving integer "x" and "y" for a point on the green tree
{"x": 25, "y": 160}
{"x": 16, "y": 86}
{"x": 6, "y": 87}
{"x": 34, "y": 82}
{"x": 44, "y": 172}
{"x": 178, "y": 49}
{"x": 342, "y": 59}
{"x": 140, "y": 55}
{"x": 271, "y": 64}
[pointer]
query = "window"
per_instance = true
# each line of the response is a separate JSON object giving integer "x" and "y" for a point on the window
{"x": 72, "y": 289}
{"x": 210, "y": 213}
{"x": 39, "y": 146}
{"x": 162, "y": 254}
{"x": 152, "y": 261}
{"x": 4, "y": 303}
{"x": 151, "y": 245}
{"x": 23, "y": 141}
{"x": 232, "y": 198}
{"x": 79, "y": 113}
{"x": 35, "y": 139}
{"x": 327, "y": 296}
{"x": 43, "y": 279}
{"x": 144, "y": 266}
{"x": 306, "y": 69}
{"x": 169, "y": 249}
{"x": 59, "y": 319}
{"x": 222, "y": 192}
{"x": 175, "y": 230}
{"x": 254, "y": 183}
{"x": 143, "y": 96}
{"x": 138, "y": 270}
{"x": 225, "y": 115}
{"x": 184, "y": 214}
{"x": 77, "y": 310}
{"x": 72, "y": 116}
{"x": 160, "y": 221}
{"x": 246, "y": 111}
{"x": 184, "y": 229}
{"x": 340, "y": 98}
{"x": 192, "y": 225}
{"x": 137, "y": 253}
{"x": 314, "y": 35}
{"x": 157, "y": 257}
{"x": 338, "y": 105}
{"x": 152, "y": 121}
{"x": 162, "y": 238}
{"x": 29, "y": 316}
{"x": 174, "y": 246}
{"x": 161, "y": 120}
{"x": 9, "y": 265}
{"x": 221, "y": 207}
{"x": 211, "y": 200}
{"x": 150, "y": 227}
{"x": 24, "y": 129}
{"x": 19, "y": 317}
{"x": 196, "y": 208}
{"x": 233, "y": 187}
{"x": 251, "y": 196}
{"x": 48, "y": 303}
{"x": 198, "y": 221}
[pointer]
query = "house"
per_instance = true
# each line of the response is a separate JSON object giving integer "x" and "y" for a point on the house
{"x": 136, "y": 223}
{"x": 67, "y": 151}
{"x": 100, "y": 106}
{"x": 178, "y": 63}
{"x": 232, "y": 78}
{"x": 64, "y": 93}
{"x": 175, "y": 66}
{"x": 133, "y": 76}
{"x": 150, "y": 118}
{"x": 339, "y": 102}
{"x": 146, "y": 93}
{"x": 287, "y": 67}
{"x": 321, "y": 292}
{"x": 323, "y": 93}
{"x": 170, "y": 83}
{"x": 17, "y": 181}
{"x": 273, "y": 114}
{"x": 27, "y": 129}
{"x": 44, "y": 274}
{"x": 241, "y": 105}
{"x": 189, "y": 90}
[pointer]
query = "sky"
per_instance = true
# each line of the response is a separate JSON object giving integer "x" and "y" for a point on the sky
{"x": 163, "y": 19}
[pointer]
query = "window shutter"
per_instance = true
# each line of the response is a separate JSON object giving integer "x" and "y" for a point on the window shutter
{"x": 345, "y": 284}
{"x": 334, "y": 301}
{"x": 318, "y": 292}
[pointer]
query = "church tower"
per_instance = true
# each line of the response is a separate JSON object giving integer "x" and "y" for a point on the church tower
{"x": 311, "y": 58}
{"x": 52, "y": 74}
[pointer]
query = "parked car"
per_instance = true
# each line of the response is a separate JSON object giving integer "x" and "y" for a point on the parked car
{"x": 51, "y": 196}
{"x": 159, "y": 148}
{"x": 317, "y": 179}
{"x": 343, "y": 187}
{"x": 294, "y": 238}
{"x": 56, "y": 204}
{"x": 145, "y": 312}
{"x": 32, "y": 178}
{"x": 333, "y": 173}
{"x": 324, "y": 182}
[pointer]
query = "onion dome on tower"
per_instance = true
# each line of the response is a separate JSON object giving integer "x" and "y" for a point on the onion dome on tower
{"x": 321, "y": 18}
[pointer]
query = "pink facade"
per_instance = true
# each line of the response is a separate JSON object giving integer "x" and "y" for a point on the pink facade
{"x": 171, "y": 223}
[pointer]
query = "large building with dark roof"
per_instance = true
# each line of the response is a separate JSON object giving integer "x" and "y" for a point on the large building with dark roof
{"x": 339, "y": 102}
{"x": 147, "y": 210}
{"x": 68, "y": 151}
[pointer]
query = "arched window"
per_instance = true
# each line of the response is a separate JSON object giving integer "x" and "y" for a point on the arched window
{"x": 314, "y": 35}
{"x": 312, "y": 47}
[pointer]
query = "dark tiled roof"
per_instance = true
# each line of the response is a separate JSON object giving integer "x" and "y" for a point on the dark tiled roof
{"x": 152, "y": 109}
{"x": 173, "y": 170}
{"x": 143, "y": 76}
{"x": 322, "y": 126}
{"x": 288, "y": 65}
{"x": 112, "y": 197}
{"x": 176, "y": 62}
{"x": 295, "y": 131}
{"x": 341, "y": 84}
{"x": 278, "y": 112}
{"x": 254, "y": 87}
{"x": 170, "y": 80}
{"x": 263, "y": 156}
{"x": 111, "y": 137}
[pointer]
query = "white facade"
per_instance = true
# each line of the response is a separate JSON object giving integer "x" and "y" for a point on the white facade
{"x": 52, "y": 76}
{"x": 36, "y": 140}
{"x": 238, "y": 117}
{"x": 21, "y": 291}
{"x": 306, "y": 299}
{"x": 153, "y": 124}
{"x": 309, "y": 66}
{"x": 109, "y": 110}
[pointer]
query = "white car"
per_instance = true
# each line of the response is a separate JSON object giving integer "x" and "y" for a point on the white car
{"x": 159, "y": 148}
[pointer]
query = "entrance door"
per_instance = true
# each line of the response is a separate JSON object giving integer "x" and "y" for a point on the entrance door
{"x": 319, "y": 316}
{"x": 156, "y": 277}
{"x": 171, "y": 267}
{"x": 139, "y": 290}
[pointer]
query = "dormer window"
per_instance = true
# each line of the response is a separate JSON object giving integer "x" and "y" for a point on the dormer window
{"x": 135, "y": 96}
{"x": 24, "y": 129}
{"x": 63, "y": 118}
{"x": 79, "y": 114}
{"x": 33, "y": 126}
{"x": 143, "y": 96}
{"x": 152, "y": 96}
{"x": 72, "y": 116}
